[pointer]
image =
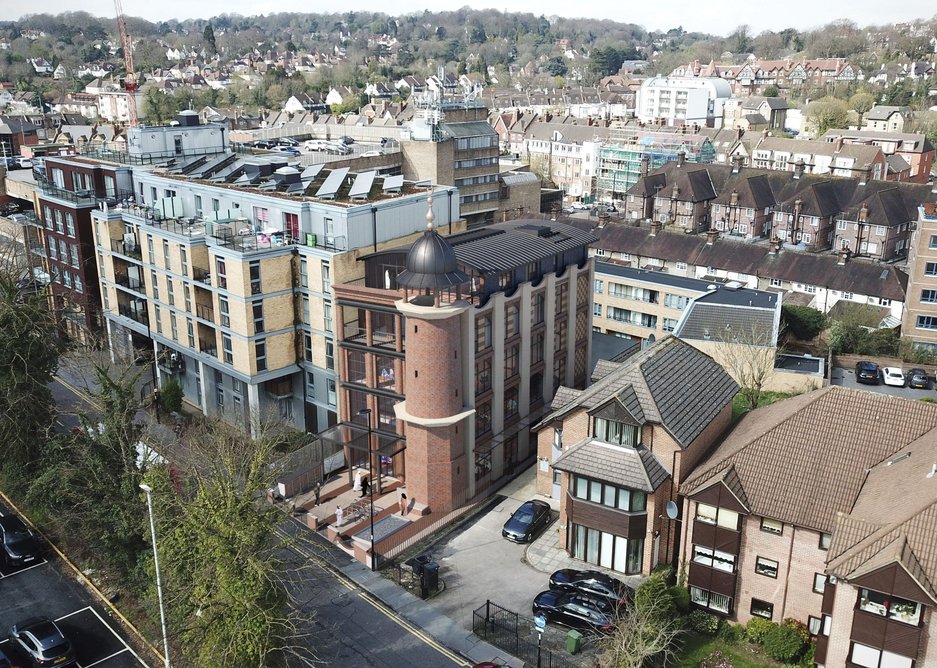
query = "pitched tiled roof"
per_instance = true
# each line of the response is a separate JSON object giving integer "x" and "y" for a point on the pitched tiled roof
{"x": 635, "y": 468}
{"x": 563, "y": 396}
{"x": 669, "y": 383}
{"x": 804, "y": 459}
{"x": 720, "y": 322}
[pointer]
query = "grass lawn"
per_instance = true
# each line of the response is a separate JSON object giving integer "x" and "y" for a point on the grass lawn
{"x": 740, "y": 404}
{"x": 744, "y": 655}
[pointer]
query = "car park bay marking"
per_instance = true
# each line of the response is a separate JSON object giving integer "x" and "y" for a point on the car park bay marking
{"x": 106, "y": 658}
{"x": 127, "y": 648}
{"x": 23, "y": 570}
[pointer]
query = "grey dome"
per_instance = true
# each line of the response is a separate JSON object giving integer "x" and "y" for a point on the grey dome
{"x": 432, "y": 264}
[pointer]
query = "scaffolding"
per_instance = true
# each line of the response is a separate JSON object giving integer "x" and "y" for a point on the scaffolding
{"x": 620, "y": 158}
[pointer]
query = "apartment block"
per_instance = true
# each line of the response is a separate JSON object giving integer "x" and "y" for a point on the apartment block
{"x": 854, "y": 563}
{"x": 920, "y": 317}
{"x": 223, "y": 267}
{"x": 683, "y": 101}
{"x": 455, "y": 345}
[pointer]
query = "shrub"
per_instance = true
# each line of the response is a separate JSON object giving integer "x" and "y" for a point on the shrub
{"x": 783, "y": 642}
{"x": 804, "y": 322}
{"x": 170, "y": 396}
{"x": 681, "y": 598}
{"x": 757, "y": 628}
{"x": 654, "y": 594}
{"x": 703, "y": 622}
{"x": 731, "y": 633}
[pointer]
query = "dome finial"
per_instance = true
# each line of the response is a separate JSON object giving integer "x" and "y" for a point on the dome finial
{"x": 429, "y": 213}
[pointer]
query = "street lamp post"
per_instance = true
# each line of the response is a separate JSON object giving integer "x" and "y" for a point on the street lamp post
{"x": 367, "y": 412}
{"x": 159, "y": 585}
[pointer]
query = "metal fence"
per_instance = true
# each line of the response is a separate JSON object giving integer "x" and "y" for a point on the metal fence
{"x": 514, "y": 633}
{"x": 301, "y": 468}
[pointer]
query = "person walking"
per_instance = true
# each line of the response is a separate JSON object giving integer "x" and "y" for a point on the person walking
{"x": 364, "y": 487}
{"x": 318, "y": 492}
{"x": 403, "y": 504}
{"x": 338, "y": 516}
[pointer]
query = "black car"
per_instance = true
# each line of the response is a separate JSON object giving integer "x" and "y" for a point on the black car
{"x": 593, "y": 584}
{"x": 575, "y": 610}
{"x": 346, "y": 140}
{"x": 4, "y": 661}
{"x": 868, "y": 373}
{"x": 18, "y": 541}
{"x": 526, "y": 521}
{"x": 918, "y": 378}
{"x": 43, "y": 642}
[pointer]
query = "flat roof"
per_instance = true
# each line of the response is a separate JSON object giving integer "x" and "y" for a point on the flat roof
{"x": 651, "y": 276}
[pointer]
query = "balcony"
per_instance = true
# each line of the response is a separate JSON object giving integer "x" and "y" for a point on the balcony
{"x": 201, "y": 275}
{"x": 130, "y": 283}
{"x": 208, "y": 348}
{"x": 205, "y": 312}
{"x": 131, "y": 250}
{"x": 138, "y": 315}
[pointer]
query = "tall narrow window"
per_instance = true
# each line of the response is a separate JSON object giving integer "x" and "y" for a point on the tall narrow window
{"x": 223, "y": 308}
{"x": 184, "y": 256}
{"x": 227, "y": 349}
{"x": 222, "y": 274}
{"x": 258, "y": 309}
{"x": 260, "y": 348}
{"x": 255, "y": 277}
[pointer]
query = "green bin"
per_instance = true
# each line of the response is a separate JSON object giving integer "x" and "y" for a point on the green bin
{"x": 573, "y": 641}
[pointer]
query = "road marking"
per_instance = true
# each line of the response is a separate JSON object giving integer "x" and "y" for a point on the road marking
{"x": 111, "y": 629}
{"x": 23, "y": 570}
{"x": 106, "y": 658}
{"x": 84, "y": 396}
{"x": 376, "y": 604}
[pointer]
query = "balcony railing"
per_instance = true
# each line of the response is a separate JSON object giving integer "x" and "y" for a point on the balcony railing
{"x": 130, "y": 250}
{"x": 131, "y": 283}
{"x": 86, "y": 197}
{"x": 201, "y": 275}
{"x": 208, "y": 348}
{"x": 137, "y": 315}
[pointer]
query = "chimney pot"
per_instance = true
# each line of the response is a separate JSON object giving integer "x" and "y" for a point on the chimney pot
{"x": 681, "y": 158}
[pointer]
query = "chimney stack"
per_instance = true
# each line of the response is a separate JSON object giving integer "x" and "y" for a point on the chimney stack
{"x": 645, "y": 165}
{"x": 734, "y": 198}
{"x": 681, "y": 158}
{"x": 799, "y": 168}
{"x": 843, "y": 257}
{"x": 764, "y": 133}
{"x": 736, "y": 164}
{"x": 863, "y": 213}
{"x": 655, "y": 228}
{"x": 774, "y": 245}
{"x": 711, "y": 235}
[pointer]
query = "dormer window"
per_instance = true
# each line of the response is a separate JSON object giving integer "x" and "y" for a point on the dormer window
{"x": 617, "y": 433}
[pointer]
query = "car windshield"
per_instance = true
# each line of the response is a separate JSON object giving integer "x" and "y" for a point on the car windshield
{"x": 524, "y": 516}
{"x": 17, "y": 538}
{"x": 58, "y": 649}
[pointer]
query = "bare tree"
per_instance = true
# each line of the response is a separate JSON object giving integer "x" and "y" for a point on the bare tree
{"x": 748, "y": 353}
{"x": 644, "y": 631}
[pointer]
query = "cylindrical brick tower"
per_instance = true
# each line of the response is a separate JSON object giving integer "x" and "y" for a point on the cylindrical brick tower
{"x": 434, "y": 408}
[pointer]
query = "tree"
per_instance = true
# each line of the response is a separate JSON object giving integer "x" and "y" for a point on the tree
{"x": 209, "y": 36}
{"x": 861, "y": 102}
{"x": 826, "y": 113}
{"x": 90, "y": 479}
{"x": 224, "y": 575}
{"x": 29, "y": 356}
{"x": 170, "y": 396}
{"x": 747, "y": 353}
{"x": 804, "y": 322}
{"x": 647, "y": 628}
{"x": 557, "y": 66}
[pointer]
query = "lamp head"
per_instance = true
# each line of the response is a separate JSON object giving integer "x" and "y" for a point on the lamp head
{"x": 146, "y": 488}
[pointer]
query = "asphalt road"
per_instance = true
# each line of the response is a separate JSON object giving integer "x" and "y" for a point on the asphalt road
{"x": 49, "y": 589}
{"x": 344, "y": 624}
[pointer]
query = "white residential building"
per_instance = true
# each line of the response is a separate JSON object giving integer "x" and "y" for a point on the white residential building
{"x": 683, "y": 100}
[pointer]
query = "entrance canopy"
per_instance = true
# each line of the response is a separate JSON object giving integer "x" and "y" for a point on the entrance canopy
{"x": 355, "y": 436}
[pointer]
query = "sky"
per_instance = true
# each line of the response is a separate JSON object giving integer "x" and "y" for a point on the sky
{"x": 719, "y": 18}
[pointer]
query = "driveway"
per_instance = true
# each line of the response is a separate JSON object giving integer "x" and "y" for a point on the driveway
{"x": 477, "y": 564}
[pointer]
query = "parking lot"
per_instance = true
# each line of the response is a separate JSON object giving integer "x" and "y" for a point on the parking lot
{"x": 47, "y": 588}
{"x": 847, "y": 378}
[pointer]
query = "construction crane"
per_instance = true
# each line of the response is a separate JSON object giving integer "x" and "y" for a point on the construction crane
{"x": 130, "y": 80}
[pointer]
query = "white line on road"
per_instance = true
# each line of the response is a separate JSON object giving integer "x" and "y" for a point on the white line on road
{"x": 23, "y": 570}
{"x": 125, "y": 649}
{"x": 116, "y": 635}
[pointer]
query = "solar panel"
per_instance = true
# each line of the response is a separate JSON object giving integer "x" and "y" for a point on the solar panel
{"x": 332, "y": 183}
{"x": 213, "y": 166}
{"x": 362, "y": 185}
{"x": 294, "y": 188}
{"x": 311, "y": 172}
{"x": 393, "y": 183}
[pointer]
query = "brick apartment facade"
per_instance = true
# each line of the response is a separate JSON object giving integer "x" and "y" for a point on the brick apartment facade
{"x": 795, "y": 515}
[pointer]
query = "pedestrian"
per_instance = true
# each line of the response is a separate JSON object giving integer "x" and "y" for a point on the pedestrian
{"x": 364, "y": 487}
{"x": 357, "y": 485}
{"x": 403, "y": 504}
{"x": 318, "y": 492}
{"x": 338, "y": 516}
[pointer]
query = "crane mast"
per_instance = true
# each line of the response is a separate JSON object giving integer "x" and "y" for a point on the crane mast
{"x": 130, "y": 80}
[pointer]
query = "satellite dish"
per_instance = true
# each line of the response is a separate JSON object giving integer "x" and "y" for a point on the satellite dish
{"x": 672, "y": 510}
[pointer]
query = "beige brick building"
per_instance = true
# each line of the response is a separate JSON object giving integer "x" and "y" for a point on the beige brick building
{"x": 822, "y": 508}
{"x": 920, "y": 317}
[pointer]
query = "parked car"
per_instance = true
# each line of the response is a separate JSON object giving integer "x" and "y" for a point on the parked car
{"x": 918, "y": 379}
{"x": 593, "y": 584}
{"x": 22, "y": 163}
{"x": 4, "y": 661}
{"x": 574, "y": 610}
{"x": 579, "y": 206}
{"x": 526, "y": 521}
{"x": 289, "y": 150}
{"x": 867, "y": 372}
{"x": 346, "y": 140}
{"x": 371, "y": 154}
{"x": 315, "y": 145}
{"x": 43, "y": 642}
{"x": 338, "y": 149}
{"x": 18, "y": 542}
{"x": 893, "y": 376}
{"x": 287, "y": 141}
{"x": 263, "y": 144}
